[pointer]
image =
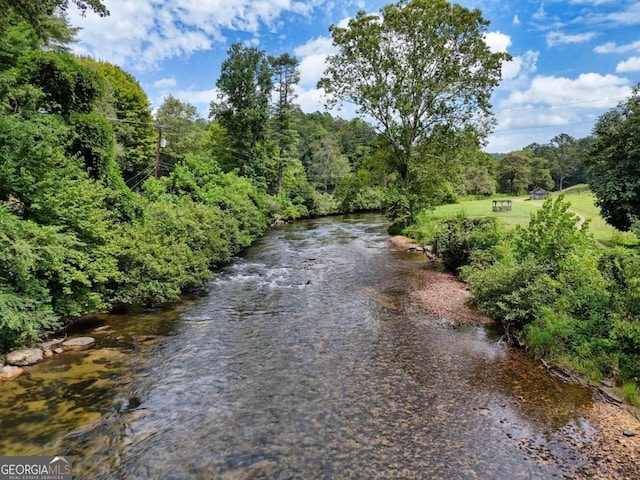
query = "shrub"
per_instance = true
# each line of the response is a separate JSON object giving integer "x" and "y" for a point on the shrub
{"x": 552, "y": 234}
{"x": 511, "y": 291}
{"x": 456, "y": 239}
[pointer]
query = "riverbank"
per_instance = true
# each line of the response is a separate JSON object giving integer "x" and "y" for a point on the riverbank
{"x": 616, "y": 448}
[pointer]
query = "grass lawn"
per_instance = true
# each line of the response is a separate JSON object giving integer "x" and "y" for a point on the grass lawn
{"x": 581, "y": 203}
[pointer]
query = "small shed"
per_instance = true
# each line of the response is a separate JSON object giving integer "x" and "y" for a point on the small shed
{"x": 538, "y": 194}
{"x": 502, "y": 205}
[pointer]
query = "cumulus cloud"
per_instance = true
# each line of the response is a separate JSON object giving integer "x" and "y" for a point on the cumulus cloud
{"x": 141, "y": 34}
{"x": 516, "y": 20}
{"x": 588, "y": 90}
{"x": 313, "y": 56}
{"x": 630, "y": 65}
{"x": 497, "y": 41}
{"x": 520, "y": 66}
{"x": 559, "y": 38}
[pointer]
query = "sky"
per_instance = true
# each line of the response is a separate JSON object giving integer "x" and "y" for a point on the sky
{"x": 572, "y": 60}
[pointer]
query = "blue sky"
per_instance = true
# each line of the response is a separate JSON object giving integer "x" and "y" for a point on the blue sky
{"x": 572, "y": 60}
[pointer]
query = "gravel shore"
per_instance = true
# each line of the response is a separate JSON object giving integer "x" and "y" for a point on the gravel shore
{"x": 616, "y": 452}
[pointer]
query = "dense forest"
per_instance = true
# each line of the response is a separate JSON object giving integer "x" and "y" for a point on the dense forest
{"x": 104, "y": 200}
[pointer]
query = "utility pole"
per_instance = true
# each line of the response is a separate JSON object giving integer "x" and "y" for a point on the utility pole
{"x": 157, "y": 167}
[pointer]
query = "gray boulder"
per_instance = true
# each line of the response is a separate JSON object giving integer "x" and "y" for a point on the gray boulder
{"x": 24, "y": 357}
{"x": 79, "y": 343}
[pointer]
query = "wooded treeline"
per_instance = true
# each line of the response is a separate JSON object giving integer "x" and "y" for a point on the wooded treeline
{"x": 85, "y": 223}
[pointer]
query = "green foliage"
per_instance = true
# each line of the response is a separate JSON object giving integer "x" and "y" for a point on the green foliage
{"x": 127, "y": 102}
{"x": 456, "y": 239}
{"x": 419, "y": 68}
{"x": 245, "y": 83}
{"x": 358, "y": 193}
{"x": 93, "y": 142}
{"x": 170, "y": 249}
{"x": 511, "y": 290}
{"x": 181, "y": 129}
{"x": 514, "y": 172}
{"x": 67, "y": 85}
{"x": 614, "y": 163}
{"x": 552, "y": 234}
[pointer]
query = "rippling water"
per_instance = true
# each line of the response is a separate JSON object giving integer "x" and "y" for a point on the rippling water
{"x": 305, "y": 359}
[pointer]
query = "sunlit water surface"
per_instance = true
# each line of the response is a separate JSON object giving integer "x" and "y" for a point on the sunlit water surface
{"x": 304, "y": 359}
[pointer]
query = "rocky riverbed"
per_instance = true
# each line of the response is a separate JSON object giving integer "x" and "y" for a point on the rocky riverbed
{"x": 616, "y": 447}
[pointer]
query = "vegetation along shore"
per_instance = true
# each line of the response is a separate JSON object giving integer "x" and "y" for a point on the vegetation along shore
{"x": 104, "y": 200}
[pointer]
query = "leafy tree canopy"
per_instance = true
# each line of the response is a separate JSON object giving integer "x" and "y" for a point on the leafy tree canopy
{"x": 615, "y": 163}
{"x": 419, "y": 66}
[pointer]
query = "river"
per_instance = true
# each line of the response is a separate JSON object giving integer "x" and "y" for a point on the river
{"x": 304, "y": 359}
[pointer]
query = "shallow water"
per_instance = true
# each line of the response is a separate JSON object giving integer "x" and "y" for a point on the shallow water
{"x": 305, "y": 359}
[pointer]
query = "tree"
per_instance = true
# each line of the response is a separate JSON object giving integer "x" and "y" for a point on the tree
{"x": 418, "y": 66}
{"x": 565, "y": 162}
{"x": 480, "y": 176}
{"x": 286, "y": 76}
{"x": 127, "y": 103}
{"x": 182, "y": 129}
{"x": 67, "y": 86}
{"x": 245, "y": 85}
{"x": 514, "y": 172}
{"x": 38, "y": 14}
{"x": 328, "y": 166}
{"x": 614, "y": 162}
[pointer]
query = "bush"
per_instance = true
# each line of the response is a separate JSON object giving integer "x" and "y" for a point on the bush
{"x": 456, "y": 239}
{"x": 511, "y": 291}
{"x": 552, "y": 234}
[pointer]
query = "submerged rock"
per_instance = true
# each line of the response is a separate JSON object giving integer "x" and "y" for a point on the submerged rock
{"x": 24, "y": 357}
{"x": 9, "y": 372}
{"x": 79, "y": 343}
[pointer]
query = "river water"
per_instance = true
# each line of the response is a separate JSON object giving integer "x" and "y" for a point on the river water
{"x": 304, "y": 359}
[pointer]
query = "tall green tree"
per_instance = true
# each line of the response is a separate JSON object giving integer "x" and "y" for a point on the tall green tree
{"x": 563, "y": 156}
{"x": 245, "y": 85}
{"x": 286, "y": 77}
{"x": 38, "y": 14}
{"x": 514, "y": 172}
{"x": 182, "y": 128}
{"x": 614, "y": 163}
{"x": 417, "y": 66}
{"x": 128, "y": 105}
{"x": 329, "y": 165}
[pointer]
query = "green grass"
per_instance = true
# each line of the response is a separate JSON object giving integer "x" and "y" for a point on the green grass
{"x": 519, "y": 215}
{"x": 581, "y": 203}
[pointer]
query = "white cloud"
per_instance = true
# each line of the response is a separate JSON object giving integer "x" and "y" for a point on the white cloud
{"x": 497, "y": 41}
{"x": 313, "y": 56}
{"x": 516, "y": 20}
{"x": 540, "y": 14}
{"x": 630, "y": 65}
{"x": 197, "y": 97}
{"x": 587, "y": 91}
{"x": 520, "y": 66}
{"x": 612, "y": 47}
{"x": 559, "y": 38}
{"x": 624, "y": 17}
{"x": 140, "y": 34}
{"x": 631, "y": 16}
{"x": 593, "y": 2}
{"x": 165, "y": 83}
